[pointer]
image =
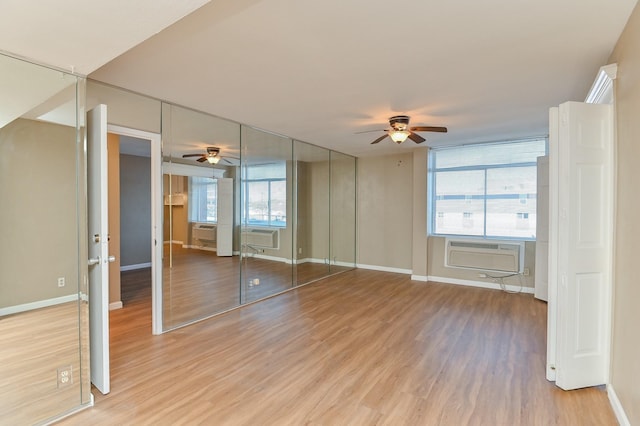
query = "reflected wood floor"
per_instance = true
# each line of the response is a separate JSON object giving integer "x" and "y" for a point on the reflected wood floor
{"x": 359, "y": 348}
{"x": 200, "y": 283}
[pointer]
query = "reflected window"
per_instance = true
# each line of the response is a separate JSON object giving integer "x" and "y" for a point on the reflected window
{"x": 203, "y": 199}
{"x": 265, "y": 192}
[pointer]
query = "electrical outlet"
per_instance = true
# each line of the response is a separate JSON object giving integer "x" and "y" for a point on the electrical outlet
{"x": 525, "y": 272}
{"x": 61, "y": 282}
{"x": 299, "y": 250}
{"x": 65, "y": 376}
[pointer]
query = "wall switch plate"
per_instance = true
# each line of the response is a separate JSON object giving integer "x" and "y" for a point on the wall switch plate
{"x": 61, "y": 282}
{"x": 65, "y": 376}
{"x": 525, "y": 272}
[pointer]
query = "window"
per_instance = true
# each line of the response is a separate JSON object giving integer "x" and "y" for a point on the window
{"x": 203, "y": 199}
{"x": 265, "y": 194}
{"x": 485, "y": 190}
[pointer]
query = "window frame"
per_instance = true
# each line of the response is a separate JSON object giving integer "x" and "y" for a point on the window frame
{"x": 191, "y": 206}
{"x": 432, "y": 185}
{"x": 270, "y": 223}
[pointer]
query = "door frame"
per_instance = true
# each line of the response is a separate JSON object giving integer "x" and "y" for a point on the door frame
{"x": 156, "y": 218}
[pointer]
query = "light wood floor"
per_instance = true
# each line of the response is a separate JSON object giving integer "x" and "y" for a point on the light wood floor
{"x": 33, "y": 345}
{"x": 359, "y": 348}
{"x": 200, "y": 283}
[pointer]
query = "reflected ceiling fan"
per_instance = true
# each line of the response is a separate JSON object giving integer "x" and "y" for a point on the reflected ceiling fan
{"x": 400, "y": 130}
{"x": 212, "y": 156}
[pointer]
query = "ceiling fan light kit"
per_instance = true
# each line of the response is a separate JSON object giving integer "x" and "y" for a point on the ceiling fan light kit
{"x": 212, "y": 156}
{"x": 399, "y": 136}
{"x": 400, "y": 130}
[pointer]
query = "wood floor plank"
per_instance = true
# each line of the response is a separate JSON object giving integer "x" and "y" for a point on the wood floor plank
{"x": 360, "y": 348}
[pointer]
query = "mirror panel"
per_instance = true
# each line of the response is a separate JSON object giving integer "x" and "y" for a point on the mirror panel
{"x": 42, "y": 260}
{"x": 266, "y": 217}
{"x": 312, "y": 166}
{"x": 200, "y": 273}
{"x": 343, "y": 212}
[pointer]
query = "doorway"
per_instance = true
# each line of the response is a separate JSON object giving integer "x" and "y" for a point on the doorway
{"x": 139, "y": 211}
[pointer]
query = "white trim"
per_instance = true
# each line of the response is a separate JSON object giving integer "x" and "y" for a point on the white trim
{"x": 265, "y": 257}
{"x": 481, "y": 284}
{"x": 345, "y": 264}
{"x": 601, "y": 91}
{"x": 616, "y": 405}
{"x": 115, "y": 305}
{"x": 9, "y": 310}
{"x": 384, "y": 269}
{"x": 175, "y": 242}
{"x": 135, "y": 266}
{"x": 422, "y": 278}
{"x": 309, "y": 260}
{"x": 205, "y": 248}
{"x": 157, "y": 209}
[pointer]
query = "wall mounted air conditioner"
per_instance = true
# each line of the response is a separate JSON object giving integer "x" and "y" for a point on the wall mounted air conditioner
{"x": 484, "y": 255}
{"x": 205, "y": 232}
{"x": 268, "y": 238}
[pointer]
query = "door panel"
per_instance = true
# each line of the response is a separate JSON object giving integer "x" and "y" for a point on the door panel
{"x": 97, "y": 198}
{"x": 585, "y": 203}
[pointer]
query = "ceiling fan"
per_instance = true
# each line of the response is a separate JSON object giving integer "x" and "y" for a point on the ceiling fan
{"x": 400, "y": 130}
{"x": 212, "y": 156}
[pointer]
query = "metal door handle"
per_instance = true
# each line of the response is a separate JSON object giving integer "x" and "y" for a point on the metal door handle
{"x": 111, "y": 258}
{"x": 94, "y": 261}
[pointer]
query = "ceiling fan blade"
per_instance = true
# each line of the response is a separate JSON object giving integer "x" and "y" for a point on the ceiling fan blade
{"x": 428, "y": 129}
{"x": 201, "y": 159}
{"x": 226, "y": 161}
{"x": 380, "y": 138}
{"x": 191, "y": 155}
{"x": 416, "y": 138}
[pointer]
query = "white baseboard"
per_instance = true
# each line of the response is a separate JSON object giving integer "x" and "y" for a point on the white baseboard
{"x": 135, "y": 266}
{"x": 481, "y": 284}
{"x": 345, "y": 264}
{"x": 422, "y": 278}
{"x": 115, "y": 305}
{"x": 200, "y": 248}
{"x": 9, "y": 310}
{"x": 617, "y": 407}
{"x": 384, "y": 269}
{"x": 265, "y": 257}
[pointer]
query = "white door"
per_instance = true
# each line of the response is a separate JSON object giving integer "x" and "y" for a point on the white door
{"x": 584, "y": 255}
{"x": 542, "y": 231}
{"x": 224, "y": 228}
{"x": 98, "y": 247}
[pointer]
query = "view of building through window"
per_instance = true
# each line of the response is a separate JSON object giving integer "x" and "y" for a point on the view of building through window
{"x": 485, "y": 190}
{"x": 265, "y": 192}
{"x": 203, "y": 199}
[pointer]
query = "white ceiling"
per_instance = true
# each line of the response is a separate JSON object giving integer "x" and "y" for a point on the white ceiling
{"x": 321, "y": 71}
{"x": 81, "y": 35}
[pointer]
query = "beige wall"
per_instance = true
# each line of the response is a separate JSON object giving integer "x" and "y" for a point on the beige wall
{"x": 176, "y": 218}
{"x": 392, "y": 221}
{"x": 625, "y": 371}
{"x": 385, "y": 211}
{"x": 39, "y": 242}
{"x": 113, "y": 149}
{"x": 125, "y": 108}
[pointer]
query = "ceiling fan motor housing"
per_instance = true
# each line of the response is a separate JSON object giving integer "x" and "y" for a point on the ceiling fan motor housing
{"x": 399, "y": 122}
